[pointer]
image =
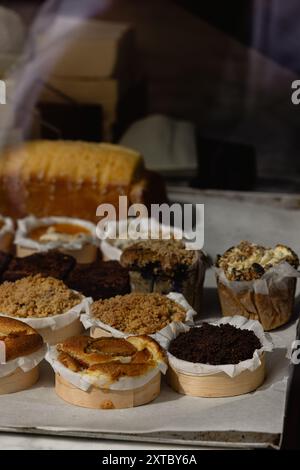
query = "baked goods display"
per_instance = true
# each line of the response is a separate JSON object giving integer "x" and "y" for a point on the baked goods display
{"x": 108, "y": 373}
{"x": 165, "y": 266}
{"x": 32, "y": 171}
{"x": 50, "y": 263}
{"x": 71, "y": 236}
{"x": 6, "y": 234}
{"x": 100, "y": 280}
{"x": 137, "y": 314}
{"x": 44, "y": 303}
{"x": 21, "y": 350}
{"x": 258, "y": 282}
{"x": 222, "y": 359}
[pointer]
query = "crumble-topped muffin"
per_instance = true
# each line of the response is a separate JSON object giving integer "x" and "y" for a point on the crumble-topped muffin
{"x": 99, "y": 280}
{"x": 138, "y": 313}
{"x": 167, "y": 256}
{"x": 165, "y": 266}
{"x": 52, "y": 263}
{"x": 248, "y": 261}
{"x": 36, "y": 296}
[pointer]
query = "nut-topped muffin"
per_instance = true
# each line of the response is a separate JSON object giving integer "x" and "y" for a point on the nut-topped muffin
{"x": 258, "y": 282}
{"x": 248, "y": 261}
{"x": 165, "y": 266}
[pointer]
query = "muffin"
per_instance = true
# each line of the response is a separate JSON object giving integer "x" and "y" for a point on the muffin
{"x": 136, "y": 314}
{"x": 6, "y": 234}
{"x": 51, "y": 263}
{"x": 73, "y": 237}
{"x": 99, "y": 280}
{"x": 258, "y": 282}
{"x": 165, "y": 266}
{"x": 44, "y": 303}
{"x": 108, "y": 373}
{"x": 21, "y": 350}
{"x": 222, "y": 359}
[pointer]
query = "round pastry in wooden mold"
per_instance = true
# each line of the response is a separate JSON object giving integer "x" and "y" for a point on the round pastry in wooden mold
{"x": 106, "y": 399}
{"x": 18, "y": 380}
{"x": 217, "y": 385}
{"x": 29, "y": 229}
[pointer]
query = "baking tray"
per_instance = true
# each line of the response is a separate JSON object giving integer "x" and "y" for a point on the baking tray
{"x": 253, "y": 421}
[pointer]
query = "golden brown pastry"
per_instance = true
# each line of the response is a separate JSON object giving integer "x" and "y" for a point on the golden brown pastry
{"x": 19, "y": 338}
{"x": 111, "y": 357}
{"x": 69, "y": 178}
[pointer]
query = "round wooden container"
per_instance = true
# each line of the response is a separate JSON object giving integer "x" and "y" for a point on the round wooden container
{"x": 57, "y": 336}
{"x": 88, "y": 253}
{"x": 18, "y": 380}
{"x": 104, "y": 399}
{"x": 217, "y": 385}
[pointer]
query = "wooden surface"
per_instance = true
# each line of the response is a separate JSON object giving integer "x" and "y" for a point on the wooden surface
{"x": 105, "y": 399}
{"x": 216, "y": 385}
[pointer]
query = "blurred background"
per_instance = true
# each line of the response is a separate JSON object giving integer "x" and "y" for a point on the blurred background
{"x": 202, "y": 89}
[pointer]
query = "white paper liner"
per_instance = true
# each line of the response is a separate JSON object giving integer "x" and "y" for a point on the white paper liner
{"x": 56, "y": 322}
{"x": 25, "y": 363}
{"x": 190, "y": 368}
{"x": 276, "y": 276}
{"x": 29, "y": 223}
{"x": 89, "y": 321}
{"x": 109, "y": 246}
{"x": 85, "y": 382}
{"x": 8, "y": 226}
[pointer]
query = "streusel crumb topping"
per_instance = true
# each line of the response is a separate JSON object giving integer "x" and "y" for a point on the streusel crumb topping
{"x": 138, "y": 313}
{"x": 36, "y": 296}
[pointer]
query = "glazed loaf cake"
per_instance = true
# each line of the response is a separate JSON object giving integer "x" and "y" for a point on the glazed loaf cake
{"x": 72, "y": 178}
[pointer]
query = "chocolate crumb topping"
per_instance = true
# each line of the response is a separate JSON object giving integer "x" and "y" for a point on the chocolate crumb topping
{"x": 215, "y": 345}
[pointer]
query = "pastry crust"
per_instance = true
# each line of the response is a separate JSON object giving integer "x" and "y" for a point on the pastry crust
{"x": 100, "y": 173}
{"x": 111, "y": 358}
{"x": 20, "y": 339}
